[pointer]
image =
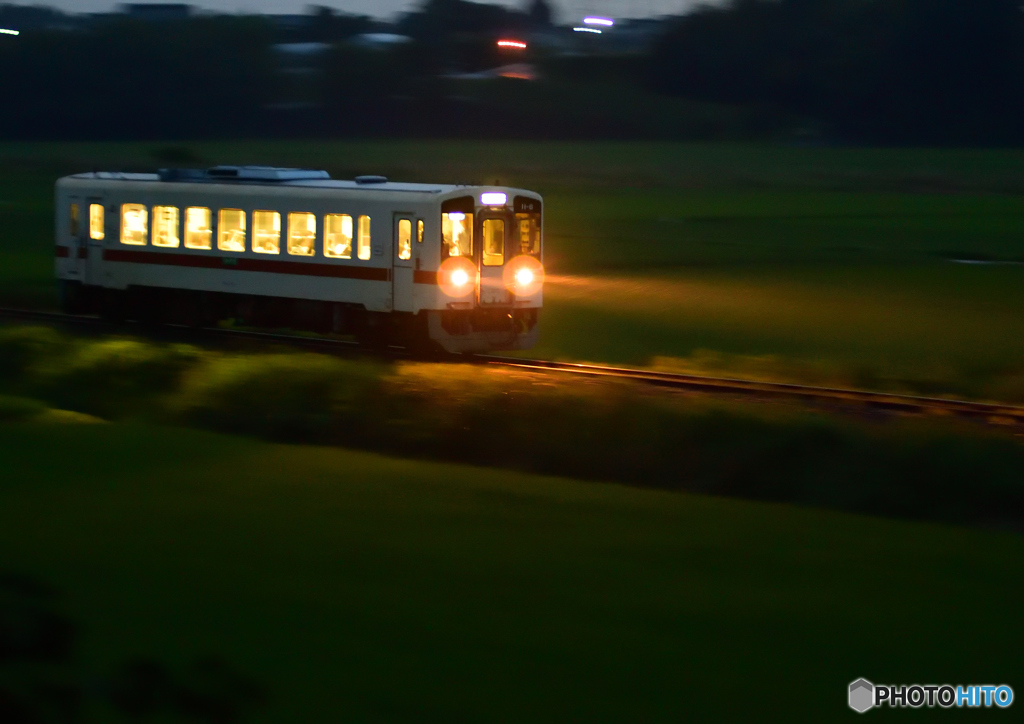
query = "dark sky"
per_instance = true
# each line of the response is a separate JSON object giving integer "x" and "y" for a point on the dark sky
{"x": 567, "y": 10}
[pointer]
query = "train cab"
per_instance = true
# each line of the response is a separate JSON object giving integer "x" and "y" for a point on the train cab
{"x": 491, "y": 267}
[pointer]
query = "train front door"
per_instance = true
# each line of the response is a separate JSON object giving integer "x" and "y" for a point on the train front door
{"x": 402, "y": 276}
{"x": 492, "y": 261}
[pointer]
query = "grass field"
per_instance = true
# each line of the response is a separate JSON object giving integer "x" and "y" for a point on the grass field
{"x": 365, "y": 588}
{"x": 935, "y": 468}
{"x": 825, "y": 264}
{"x": 360, "y": 588}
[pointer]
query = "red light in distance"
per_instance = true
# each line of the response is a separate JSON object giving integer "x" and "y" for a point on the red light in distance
{"x": 519, "y": 44}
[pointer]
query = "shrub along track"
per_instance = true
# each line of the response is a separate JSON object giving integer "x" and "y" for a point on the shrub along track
{"x": 885, "y": 402}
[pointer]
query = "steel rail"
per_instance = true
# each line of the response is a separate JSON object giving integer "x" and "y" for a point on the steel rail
{"x": 998, "y": 413}
{"x": 991, "y": 412}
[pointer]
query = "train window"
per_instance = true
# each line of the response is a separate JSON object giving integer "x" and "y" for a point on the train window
{"x": 456, "y": 234}
{"x": 197, "y": 228}
{"x": 419, "y": 231}
{"x": 134, "y": 224}
{"x": 529, "y": 233}
{"x": 494, "y": 242}
{"x": 302, "y": 234}
{"x": 165, "y": 226}
{"x": 266, "y": 232}
{"x": 363, "y": 250}
{"x": 404, "y": 239}
{"x": 231, "y": 230}
{"x": 338, "y": 236}
{"x": 96, "y": 221}
{"x": 74, "y": 220}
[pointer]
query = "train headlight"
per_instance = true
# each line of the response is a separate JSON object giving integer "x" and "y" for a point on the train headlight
{"x": 457, "y": 276}
{"x": 460, "y": 278}
{"x": 523, "y": 276}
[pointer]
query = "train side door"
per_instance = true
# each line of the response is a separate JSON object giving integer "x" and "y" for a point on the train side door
{"x": 94, "y": 234}
{"x": 401, "y": 278}
{"x": 77, "y": 233}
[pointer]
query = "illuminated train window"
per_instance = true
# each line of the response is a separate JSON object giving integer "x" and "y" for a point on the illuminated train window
{"x": 231, "y": 230}
{"x": 134, "y": 224}
{"x": 302, "y": 234}
{"x": 363, "y": 250}
{"x": 494, "y": 242}
{"x": 404, "y": 239}
{"x": 529, "y": 233}
{"x": 165, "y": 226}
{"x": 96, "y": 222}
{"x": 338, "y": 236}
{"x": 419, "y": 231}
{"x": 73, "y": 219}
{"x": 266, "y": 232}
{"x": 197, "y": 228}
{"x": 456, "y": 234}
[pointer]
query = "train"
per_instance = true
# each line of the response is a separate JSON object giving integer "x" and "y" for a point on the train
{"x": 442, "y": 267}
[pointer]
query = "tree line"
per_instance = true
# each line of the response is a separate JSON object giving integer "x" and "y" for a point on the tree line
{"x": 922, "y": 72}
{"x": 906, "y": 72}
{"x": 210, "y": 76}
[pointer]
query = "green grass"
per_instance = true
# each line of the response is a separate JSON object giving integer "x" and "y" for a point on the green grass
{"x": 363, "y": 588}
{"x": 835, "y": 264}
{"x": 602, "y": 429}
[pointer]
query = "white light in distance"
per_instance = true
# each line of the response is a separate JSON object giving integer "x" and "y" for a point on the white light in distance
{"x": 5, "y": 31}
{"x": 460, "y": 278}
{"x": 524, "y": 277}
{"x": 493, "y": 199}
{"x": 607, "y": 22}
{"x": 587, "y": 30}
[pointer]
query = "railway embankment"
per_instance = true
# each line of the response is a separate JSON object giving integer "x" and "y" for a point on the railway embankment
{"x": 591, "y": 428}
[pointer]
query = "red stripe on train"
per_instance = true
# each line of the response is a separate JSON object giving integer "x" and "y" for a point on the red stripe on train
{"x": 203, "y": 261}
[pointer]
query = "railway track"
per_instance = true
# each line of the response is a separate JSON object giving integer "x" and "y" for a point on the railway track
{"x": 988, "y": 412}
{"x": 994, "y": 413}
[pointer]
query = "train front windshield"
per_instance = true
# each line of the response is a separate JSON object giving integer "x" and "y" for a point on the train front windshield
{"x": 466, "y": 235}
{"x": 528, "y": 233}
{"x": 456, "y": 234}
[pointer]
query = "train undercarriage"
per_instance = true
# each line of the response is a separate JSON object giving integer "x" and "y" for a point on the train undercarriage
{"x": 429, "y": 331}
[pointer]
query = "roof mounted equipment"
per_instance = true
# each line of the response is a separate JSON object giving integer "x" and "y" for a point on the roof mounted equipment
{"x": 241, "y": 173}
{"x": 264, "y": 173}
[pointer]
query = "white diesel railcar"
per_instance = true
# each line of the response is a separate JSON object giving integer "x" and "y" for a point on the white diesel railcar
{"x": 455, "y": 267}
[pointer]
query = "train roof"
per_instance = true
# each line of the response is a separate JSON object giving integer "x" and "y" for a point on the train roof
{"x": 271, "y": 177}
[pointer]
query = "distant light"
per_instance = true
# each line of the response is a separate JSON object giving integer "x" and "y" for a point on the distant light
{"x": 607, "y": 22}
{"x": 5, "y": 31}
{"x": 524, "y": 277}
{"x": 493, "y": 199}
{"x": 512, "y": 44}
{"x": 587, "y": 30}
